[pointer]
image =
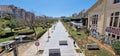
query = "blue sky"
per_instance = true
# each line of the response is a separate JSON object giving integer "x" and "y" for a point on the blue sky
{"x": 54, "y": 8}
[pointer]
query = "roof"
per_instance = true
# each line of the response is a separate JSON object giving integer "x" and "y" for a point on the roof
{"x": 76, "y": 19}
{"x": 95, "y": 5}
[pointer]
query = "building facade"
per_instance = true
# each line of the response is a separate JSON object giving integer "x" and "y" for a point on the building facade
{"x": 16, "y": 12}
{"x": 104, "y": 18}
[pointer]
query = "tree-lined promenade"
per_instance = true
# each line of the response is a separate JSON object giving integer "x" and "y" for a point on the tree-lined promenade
{"x": 91, "y": 32}
{"x": 19, "y": 26}
{"x": 34, "y": 28}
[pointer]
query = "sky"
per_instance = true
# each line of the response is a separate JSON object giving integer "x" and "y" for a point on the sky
{"x": 53, "y": 8}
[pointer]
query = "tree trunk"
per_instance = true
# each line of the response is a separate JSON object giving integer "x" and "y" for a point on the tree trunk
{"x": 11, "y": 30}
{"x": 35, "y": 32}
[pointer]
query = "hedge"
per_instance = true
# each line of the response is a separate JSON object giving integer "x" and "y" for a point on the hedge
{"x": 25, "y": 33}
{"x": 40, "y": 34}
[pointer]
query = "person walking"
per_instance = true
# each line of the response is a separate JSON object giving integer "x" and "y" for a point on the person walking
{"x": 74, "y": 43}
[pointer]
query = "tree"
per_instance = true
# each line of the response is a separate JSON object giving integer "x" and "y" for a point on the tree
{"x": 66, "y": 20}
{"x": 2, "y": 26}
{"x": 9, "y": 21}
{"x": 31, "y": 24}
{"x": 20, "y": 23}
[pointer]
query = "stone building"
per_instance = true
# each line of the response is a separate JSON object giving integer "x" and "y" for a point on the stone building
{"x": 104, "y": 18}
{"x": 16, "y": 12}
{"x": 30, "y": 15}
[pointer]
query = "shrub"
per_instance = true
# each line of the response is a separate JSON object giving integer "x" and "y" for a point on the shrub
{"x": 25, "y": 33}
{"x": 116, "y": 46}
{"x": 8, "y": 34}
{"x": 2, "y": 33}
{"x": 40, "y": 34}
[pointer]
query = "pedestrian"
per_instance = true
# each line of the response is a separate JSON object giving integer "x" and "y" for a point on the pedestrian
{"x": 52, "y": 31}
{"x": 74, "y": 43}
{"x": 54, "y": 27}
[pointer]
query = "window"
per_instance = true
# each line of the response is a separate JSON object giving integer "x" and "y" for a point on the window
{"x": 118, "y": 37}
{"x": 113, "y": 35}
{"x": 117, "y": 13}
{"x": 112, "y": 14}
{"x": 94, "y": 22}
{"x": 116, "y": 21}
{"x": 111, "y": 21}
{"x": 116, "y": 1}
{"x": 119, "y": 24}
{"x": 94, "y": 19}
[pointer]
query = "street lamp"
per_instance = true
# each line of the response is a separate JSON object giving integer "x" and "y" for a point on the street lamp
{"x": 15, "y": 50}
{"x": 48, "y": 32}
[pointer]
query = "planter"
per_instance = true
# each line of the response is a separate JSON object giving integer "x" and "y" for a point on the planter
{"x": 78, "y": 50}
{"x": 40, "y": 34}
{"x": 40, "y": 51}
{"x": 25, "y": 33}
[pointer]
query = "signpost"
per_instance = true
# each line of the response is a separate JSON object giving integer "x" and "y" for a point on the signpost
{"x": 37, "y": 44}
{"x": 80, "y": 42}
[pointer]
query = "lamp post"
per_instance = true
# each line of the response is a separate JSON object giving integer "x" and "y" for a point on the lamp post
{"x": 15, "y": 50}
{"x": 48, "y": 32}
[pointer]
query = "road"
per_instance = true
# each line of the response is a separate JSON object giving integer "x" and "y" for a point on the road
{"x": 57, "y": 35}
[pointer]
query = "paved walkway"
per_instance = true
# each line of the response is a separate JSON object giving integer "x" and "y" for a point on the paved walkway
{"x": 59, "y": 34}
{"x": 32, "y": 50}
